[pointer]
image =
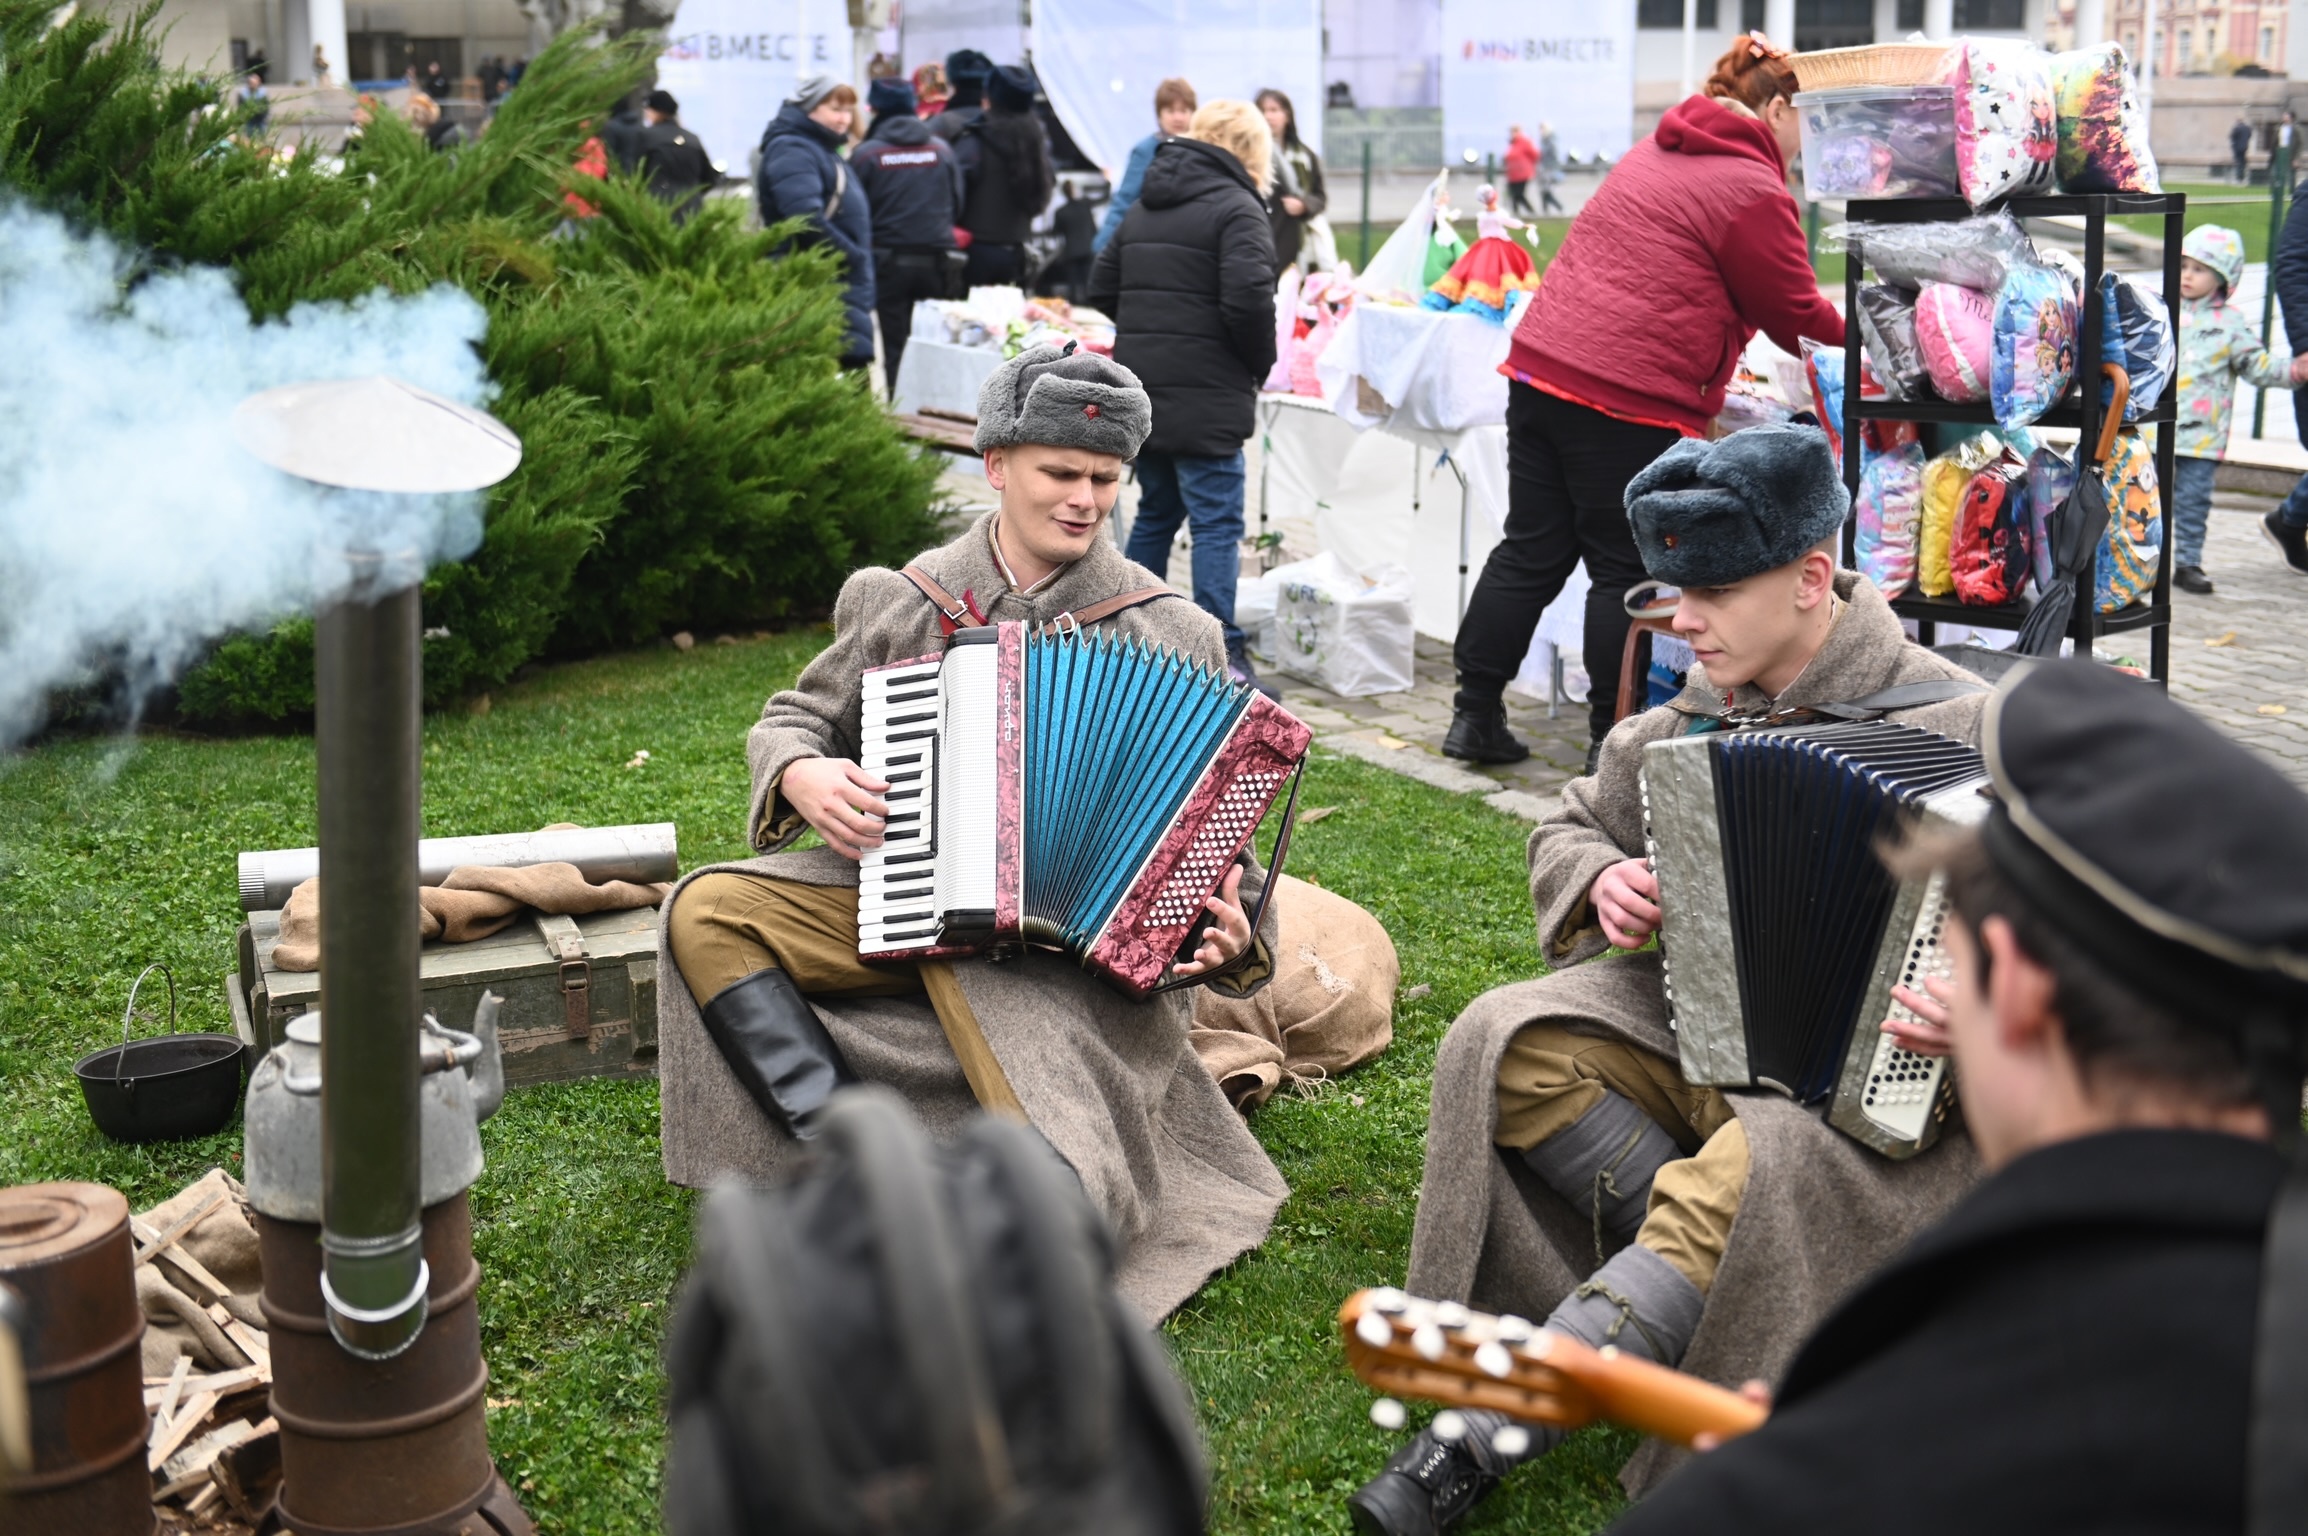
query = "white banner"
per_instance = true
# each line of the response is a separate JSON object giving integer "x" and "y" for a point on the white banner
{"x": 1569, "y": 63}
{"x": 1101, "y": 59}
{"x": 731, "y": 62}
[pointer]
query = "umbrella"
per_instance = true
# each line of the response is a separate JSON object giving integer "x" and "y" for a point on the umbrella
{"x": 2075, "y": 532}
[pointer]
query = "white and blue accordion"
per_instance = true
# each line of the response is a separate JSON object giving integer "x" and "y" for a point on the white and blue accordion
{"x": 1078, "y": 791}
{"x": 1781, "y": 931}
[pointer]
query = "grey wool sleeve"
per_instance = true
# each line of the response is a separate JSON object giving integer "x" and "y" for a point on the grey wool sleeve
{"x": 1599, "y": 823}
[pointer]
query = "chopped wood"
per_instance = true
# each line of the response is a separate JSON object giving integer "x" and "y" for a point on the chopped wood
{"x": 249, "y": 1473}
{"x": 168, "y": 1235}
{"x": 254, "y": 1344}
{"x": 195, "y": 1459}
{"x": 166, "y": 1438}
{"x": 173, "y": 1393}
{"x": 201, "y": 1500}
{"x": 185, "y": 1263}
{"x": 222, "y": 1383}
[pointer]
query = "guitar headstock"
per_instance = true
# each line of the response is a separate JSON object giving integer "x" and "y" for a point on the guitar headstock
{"x": 1446, "y": 1353}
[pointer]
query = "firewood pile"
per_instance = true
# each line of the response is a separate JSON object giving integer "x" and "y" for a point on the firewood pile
{"x": 214, "y": 1449}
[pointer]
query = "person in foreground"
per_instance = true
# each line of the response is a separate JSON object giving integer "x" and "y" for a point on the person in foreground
{"x": 2072, "y": 1349}
{"x": 1572, "y": 1173}
{"x": 766, "y": 1008}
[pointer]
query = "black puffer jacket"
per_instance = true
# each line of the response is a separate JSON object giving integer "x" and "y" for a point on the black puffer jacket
{"x": 912, "y": 182}
{"x": 802, "y": 175}
{"x": 1189, "y": 281}
{"x": 1006, "y": 159}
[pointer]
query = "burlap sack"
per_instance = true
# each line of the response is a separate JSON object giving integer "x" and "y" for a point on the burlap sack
{"x": 474, "y": 902}
{"x": 224, "y": 1243}
{"x": 1329, "y": 1007}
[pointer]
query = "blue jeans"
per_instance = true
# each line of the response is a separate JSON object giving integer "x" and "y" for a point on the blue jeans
{"x": 1206, "y": 495}
{"x": 2295, "y": 508}
{"x": 2191, "y": 507}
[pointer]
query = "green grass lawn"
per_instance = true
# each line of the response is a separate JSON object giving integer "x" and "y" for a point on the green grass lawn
{"x": 2242, "y": 209}
{"x": 114, "y": 854}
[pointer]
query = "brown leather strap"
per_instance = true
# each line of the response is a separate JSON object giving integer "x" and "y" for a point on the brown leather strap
{"x": 947, "y": 603}
{"x": 989, "y": 1084}
{"x": 1113, "y": 605}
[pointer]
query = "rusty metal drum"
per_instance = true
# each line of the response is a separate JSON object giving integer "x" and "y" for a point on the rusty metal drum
{"x": 65, "y": 1249}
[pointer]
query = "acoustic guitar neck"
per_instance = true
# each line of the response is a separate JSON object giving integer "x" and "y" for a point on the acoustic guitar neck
{"x": 1445, "y": 1353}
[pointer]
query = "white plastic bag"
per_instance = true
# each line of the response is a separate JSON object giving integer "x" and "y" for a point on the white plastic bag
{"x": 1254, "y": 613}
{"x": 1349, "y": 633}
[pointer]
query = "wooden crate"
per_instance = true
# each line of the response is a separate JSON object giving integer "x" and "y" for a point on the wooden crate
{"x": 580, "y": 992}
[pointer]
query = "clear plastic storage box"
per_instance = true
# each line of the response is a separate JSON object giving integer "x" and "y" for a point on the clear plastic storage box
{"x": 1879, "y": 141}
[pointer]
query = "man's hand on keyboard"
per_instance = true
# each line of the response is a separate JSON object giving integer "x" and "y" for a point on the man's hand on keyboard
{"x": 1229, "y": 932}
{"x": 838, "y": 798}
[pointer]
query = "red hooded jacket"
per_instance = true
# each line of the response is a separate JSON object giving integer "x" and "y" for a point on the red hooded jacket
{"x": 1690, "y": 247}
{"x": 1522, "y": 158}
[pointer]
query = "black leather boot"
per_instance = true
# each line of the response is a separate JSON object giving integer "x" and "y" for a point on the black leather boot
{"x": 1426, "y": 1487}
{"x": 778, "y": 1047}
{"x": 1479, "y": 733}
{"x": 2291, "y": 542}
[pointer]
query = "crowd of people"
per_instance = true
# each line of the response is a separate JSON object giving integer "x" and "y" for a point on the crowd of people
{"x": 2051, "y": 1319}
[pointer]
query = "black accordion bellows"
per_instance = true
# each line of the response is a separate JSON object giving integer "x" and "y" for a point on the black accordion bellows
{"x": 1782, "y": 932}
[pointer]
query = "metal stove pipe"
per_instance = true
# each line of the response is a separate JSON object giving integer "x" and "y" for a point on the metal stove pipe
{"x": 366, "y": 682}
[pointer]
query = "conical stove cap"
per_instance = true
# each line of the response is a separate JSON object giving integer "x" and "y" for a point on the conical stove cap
{"x": 376, "y": 434}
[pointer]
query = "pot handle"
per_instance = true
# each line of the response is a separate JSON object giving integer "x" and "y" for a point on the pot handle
{"x": 128, "y": 1015}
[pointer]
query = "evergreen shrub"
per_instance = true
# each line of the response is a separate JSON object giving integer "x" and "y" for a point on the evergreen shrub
{"x": 692, "y": 455}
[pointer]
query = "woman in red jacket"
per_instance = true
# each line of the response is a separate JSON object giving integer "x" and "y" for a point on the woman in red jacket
{"x": 1690, "y": 247}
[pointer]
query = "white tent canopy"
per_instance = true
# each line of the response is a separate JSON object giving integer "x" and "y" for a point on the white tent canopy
{"x": 1101, "y": 59}
{"x": 929, "y": 30}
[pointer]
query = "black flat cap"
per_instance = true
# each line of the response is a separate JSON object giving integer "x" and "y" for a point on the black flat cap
{"x": 1710, "y": 514}
{"x": 2170, "y": 853}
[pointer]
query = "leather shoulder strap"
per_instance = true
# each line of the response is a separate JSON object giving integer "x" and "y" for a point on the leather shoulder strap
{"x": 1113, "y": 605}
{"x": 945, "y": 602}
{"x": 1936, "y": 690}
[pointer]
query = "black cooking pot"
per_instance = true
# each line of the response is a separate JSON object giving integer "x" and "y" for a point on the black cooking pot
{"x": 165, "y": 1088}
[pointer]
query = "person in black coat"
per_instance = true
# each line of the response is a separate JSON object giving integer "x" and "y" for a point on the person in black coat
{"x": 2075, "y": 1348}
{"x": 1189, "y": 281}
{"x": 803, "y": 176}
{"x": 913, "y": 183}
{"x": 680, "y": 172}
{"x": 1006, "y": 166}
{"x": 2287, "y": 526}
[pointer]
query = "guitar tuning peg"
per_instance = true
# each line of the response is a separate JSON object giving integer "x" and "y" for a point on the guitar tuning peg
{"x": 1374, "y": 1330}
{"x": 1451, "y": 1315}
{"x": 1387, "y": 1414}
{"x": 1450, "y": 1426}
{"x": 1388, "y": 1300}
{"x": 1427, "y": 1339}
{"x": 1511, "y": 1441}
{"x": 1513, "y": 1329}
{"x": 1492, "y": 1359}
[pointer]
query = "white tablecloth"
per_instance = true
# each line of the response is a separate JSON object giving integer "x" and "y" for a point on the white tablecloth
{"x": 940, "y": 374}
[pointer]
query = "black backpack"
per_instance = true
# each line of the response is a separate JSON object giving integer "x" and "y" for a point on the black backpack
{"x": 914, "y": 1338}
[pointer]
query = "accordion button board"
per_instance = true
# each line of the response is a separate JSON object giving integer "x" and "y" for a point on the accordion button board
{"x": 1081, "y": 792}
{"x": 1782, "y": 933}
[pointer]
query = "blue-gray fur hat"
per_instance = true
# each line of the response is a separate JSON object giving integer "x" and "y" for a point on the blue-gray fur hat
{"x": 1067, "y": 398}
{"x": 1710, "y": 514}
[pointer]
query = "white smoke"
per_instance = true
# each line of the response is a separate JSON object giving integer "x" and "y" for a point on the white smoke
{"x": 133, "y": 528}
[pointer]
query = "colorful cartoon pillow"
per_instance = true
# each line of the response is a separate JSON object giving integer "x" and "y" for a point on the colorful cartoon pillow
{"x": 1889, "y": 505}
{"x": 2103, "y": 136}
{"x": 1989, "y": 555}
{"x": 2035, "y": 343}
{"x": 2006, "y": 124}
{"x": 1955, "y": 327}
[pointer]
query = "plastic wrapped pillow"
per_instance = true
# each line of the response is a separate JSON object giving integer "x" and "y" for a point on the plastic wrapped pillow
{"x": 2035, "y": 343}
{"x": 1889, "y": 505}
{"x": 2051, "y": 476}
{"x": 1989, "y": 553}
{"x": 1944, "y": 480}
{"x": 2103, "y": 136}
{"x": 2006, "y": 126}
{"x": 2136, "y": 333}
{"x": 2134, "y": 540}
{"x": 1823, "y": 366}
{"x": 1955, "y": 328}
{"x": 1971, "y": 253}
{"x": 1887, "y": 331}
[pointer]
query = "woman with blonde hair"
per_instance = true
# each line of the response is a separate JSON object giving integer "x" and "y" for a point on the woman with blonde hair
{"x": 1189, "y": 280}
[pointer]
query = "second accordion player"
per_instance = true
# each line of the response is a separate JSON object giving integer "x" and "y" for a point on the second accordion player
{"x": 1781, "y": 931}
{"x": 1077, "y": 791}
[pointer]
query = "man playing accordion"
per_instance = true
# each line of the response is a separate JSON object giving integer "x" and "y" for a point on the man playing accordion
{"x": 767, "y": 1007}
{"x": 1572, "y": 1172}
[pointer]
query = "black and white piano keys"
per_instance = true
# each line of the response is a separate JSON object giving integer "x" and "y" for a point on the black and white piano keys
{"x": 897, "y": 882}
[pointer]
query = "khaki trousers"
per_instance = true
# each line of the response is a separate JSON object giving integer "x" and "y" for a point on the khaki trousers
{"x": 1549, "y": 1077}
{"x": 727, "y": 925}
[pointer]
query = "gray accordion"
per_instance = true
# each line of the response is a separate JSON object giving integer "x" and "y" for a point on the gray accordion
{"x": 1781, "y": 931}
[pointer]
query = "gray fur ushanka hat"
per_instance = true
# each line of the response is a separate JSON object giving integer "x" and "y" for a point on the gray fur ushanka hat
{"x": 1066, "y": 398}
{"x": 1710, "y": 514}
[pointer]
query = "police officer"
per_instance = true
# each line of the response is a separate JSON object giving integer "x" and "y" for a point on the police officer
{"x": 679, "y": 170}
{"x": 2074, "y": 1348}
{"x": 913, "y": 183}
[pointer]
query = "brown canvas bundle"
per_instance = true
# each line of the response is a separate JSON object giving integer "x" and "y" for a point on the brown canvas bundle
{"x": 1330, "y": 1005}
{"x": 472, "y": 903}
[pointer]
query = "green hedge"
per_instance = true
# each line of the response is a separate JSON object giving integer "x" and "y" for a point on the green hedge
{"x": 693, "y": 456}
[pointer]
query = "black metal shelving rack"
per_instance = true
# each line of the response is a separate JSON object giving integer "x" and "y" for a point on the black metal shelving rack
{"x": 2080, "y": 408}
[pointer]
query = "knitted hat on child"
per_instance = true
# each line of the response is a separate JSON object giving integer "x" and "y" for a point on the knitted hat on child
{"x": 1710, "y": 514}
{"x": 2218, "y": 248}
{"x": 1066, "y": 398}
